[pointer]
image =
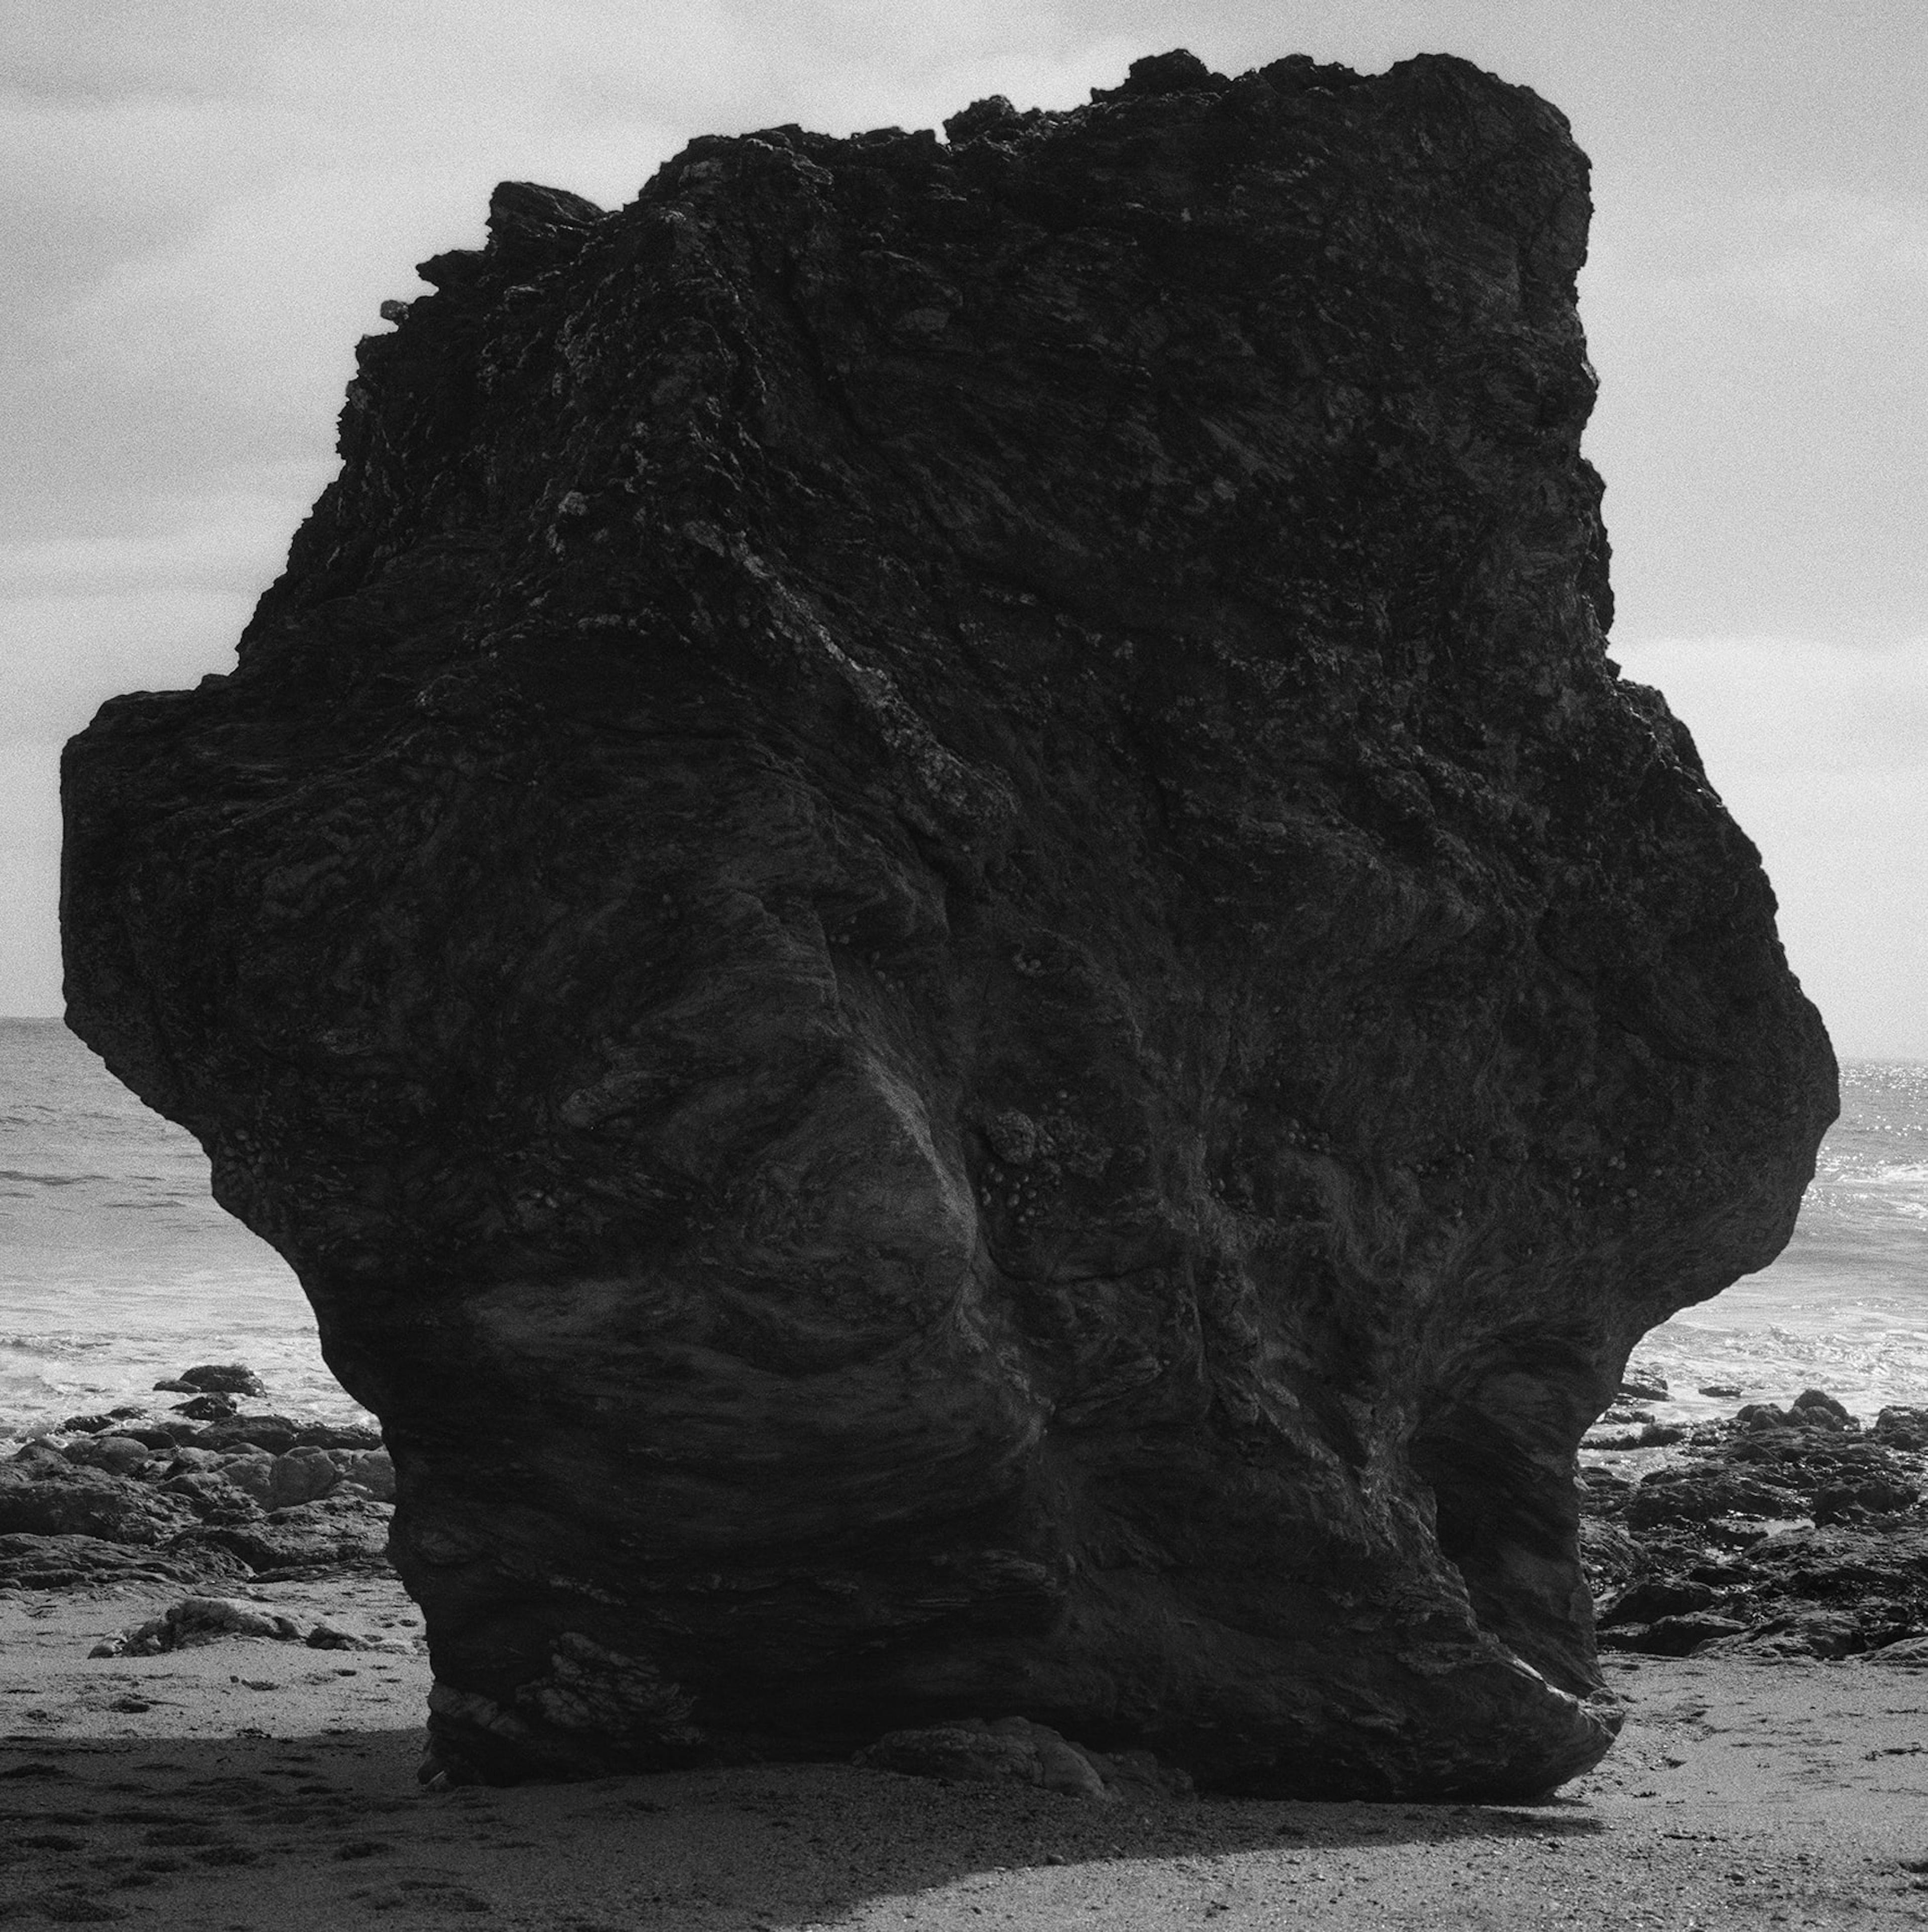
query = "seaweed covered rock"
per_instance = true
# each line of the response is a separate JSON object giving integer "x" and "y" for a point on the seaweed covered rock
{"x": 929, "y": 915}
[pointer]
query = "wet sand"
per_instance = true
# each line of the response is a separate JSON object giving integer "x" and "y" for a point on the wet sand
{"x": 264, "y": 1786}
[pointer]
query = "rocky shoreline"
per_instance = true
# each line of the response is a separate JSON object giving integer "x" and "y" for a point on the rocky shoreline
{"x": 203, "y": 1492}
{"x": 274, "y": 1787}
{"x": 1779, "y": 1532}
{"x": 1776, "y": 1532}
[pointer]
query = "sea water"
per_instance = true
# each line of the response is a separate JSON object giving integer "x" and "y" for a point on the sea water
{"x": 117, "y": 1268}
{"x": 1845, "y": 1306}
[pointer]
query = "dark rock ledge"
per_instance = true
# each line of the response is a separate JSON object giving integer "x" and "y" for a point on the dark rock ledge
{"x": 1780, "y": 1533}
{"x": 175, "y": 1496}
{"x": 931, "y": 919}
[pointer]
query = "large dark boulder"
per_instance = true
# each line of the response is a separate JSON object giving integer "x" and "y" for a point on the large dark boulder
{"x": 321, "y": 1534}
{"x": 68, "y": 1561}
{"x": 42, "y": 1493}
{"x": 929, "y": 914}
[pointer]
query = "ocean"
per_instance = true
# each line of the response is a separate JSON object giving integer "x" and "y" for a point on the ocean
{"x": 1844, "y": 1307}
{"x": 116, "y": 1267}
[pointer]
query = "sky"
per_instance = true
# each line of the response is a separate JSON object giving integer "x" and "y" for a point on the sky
{"x": 204, "y": 203}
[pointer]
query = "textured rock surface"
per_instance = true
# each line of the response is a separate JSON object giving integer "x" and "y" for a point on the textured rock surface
{"x": 108, "y": 1496}
{"x": 43, "y": 1494}
{"x": 1803, "y": 1530}
{"x": 929, "y": 916}
{"x": 73, "y": 1562}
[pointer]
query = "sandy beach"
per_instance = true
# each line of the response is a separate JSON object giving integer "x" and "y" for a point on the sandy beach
{"x": 255, "y": 1784}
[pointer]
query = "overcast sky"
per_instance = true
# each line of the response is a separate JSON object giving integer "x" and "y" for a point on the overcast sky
{"x": 205, "y": 201}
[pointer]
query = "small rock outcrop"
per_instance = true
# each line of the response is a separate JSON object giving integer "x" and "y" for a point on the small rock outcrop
{"x": 1775, "y": 1533}
{"x": 189, "y": 1499}
{"x": 196, "y": 1621}
{"x": 223, "y": 1378}
{"x": 930, "y": 917}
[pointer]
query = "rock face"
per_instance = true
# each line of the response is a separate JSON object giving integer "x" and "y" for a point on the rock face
{"x": 930, "y": 917}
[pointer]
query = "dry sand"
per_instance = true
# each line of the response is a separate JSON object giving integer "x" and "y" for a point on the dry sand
{"x": 252, "y": 1784}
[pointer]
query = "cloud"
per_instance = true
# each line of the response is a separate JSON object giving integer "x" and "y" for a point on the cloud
{"x": 1793, "y": 706}
{"x": 1821, "y": 252}
{"x": 1821, "y": 752}
{"x": 1817, "y": 252}
{"x": 65, "y": 655}
{"x": 30, "y": 879}
{"x": 1761, "y": 388}
{"x": 84, "y": 616}
{"x": 208, "y": 543}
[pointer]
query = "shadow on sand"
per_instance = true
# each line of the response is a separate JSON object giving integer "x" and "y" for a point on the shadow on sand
{"x": 332, "y": 1830}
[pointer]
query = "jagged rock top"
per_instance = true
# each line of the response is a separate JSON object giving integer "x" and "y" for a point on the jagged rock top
{"x": 1237, "y": 243}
